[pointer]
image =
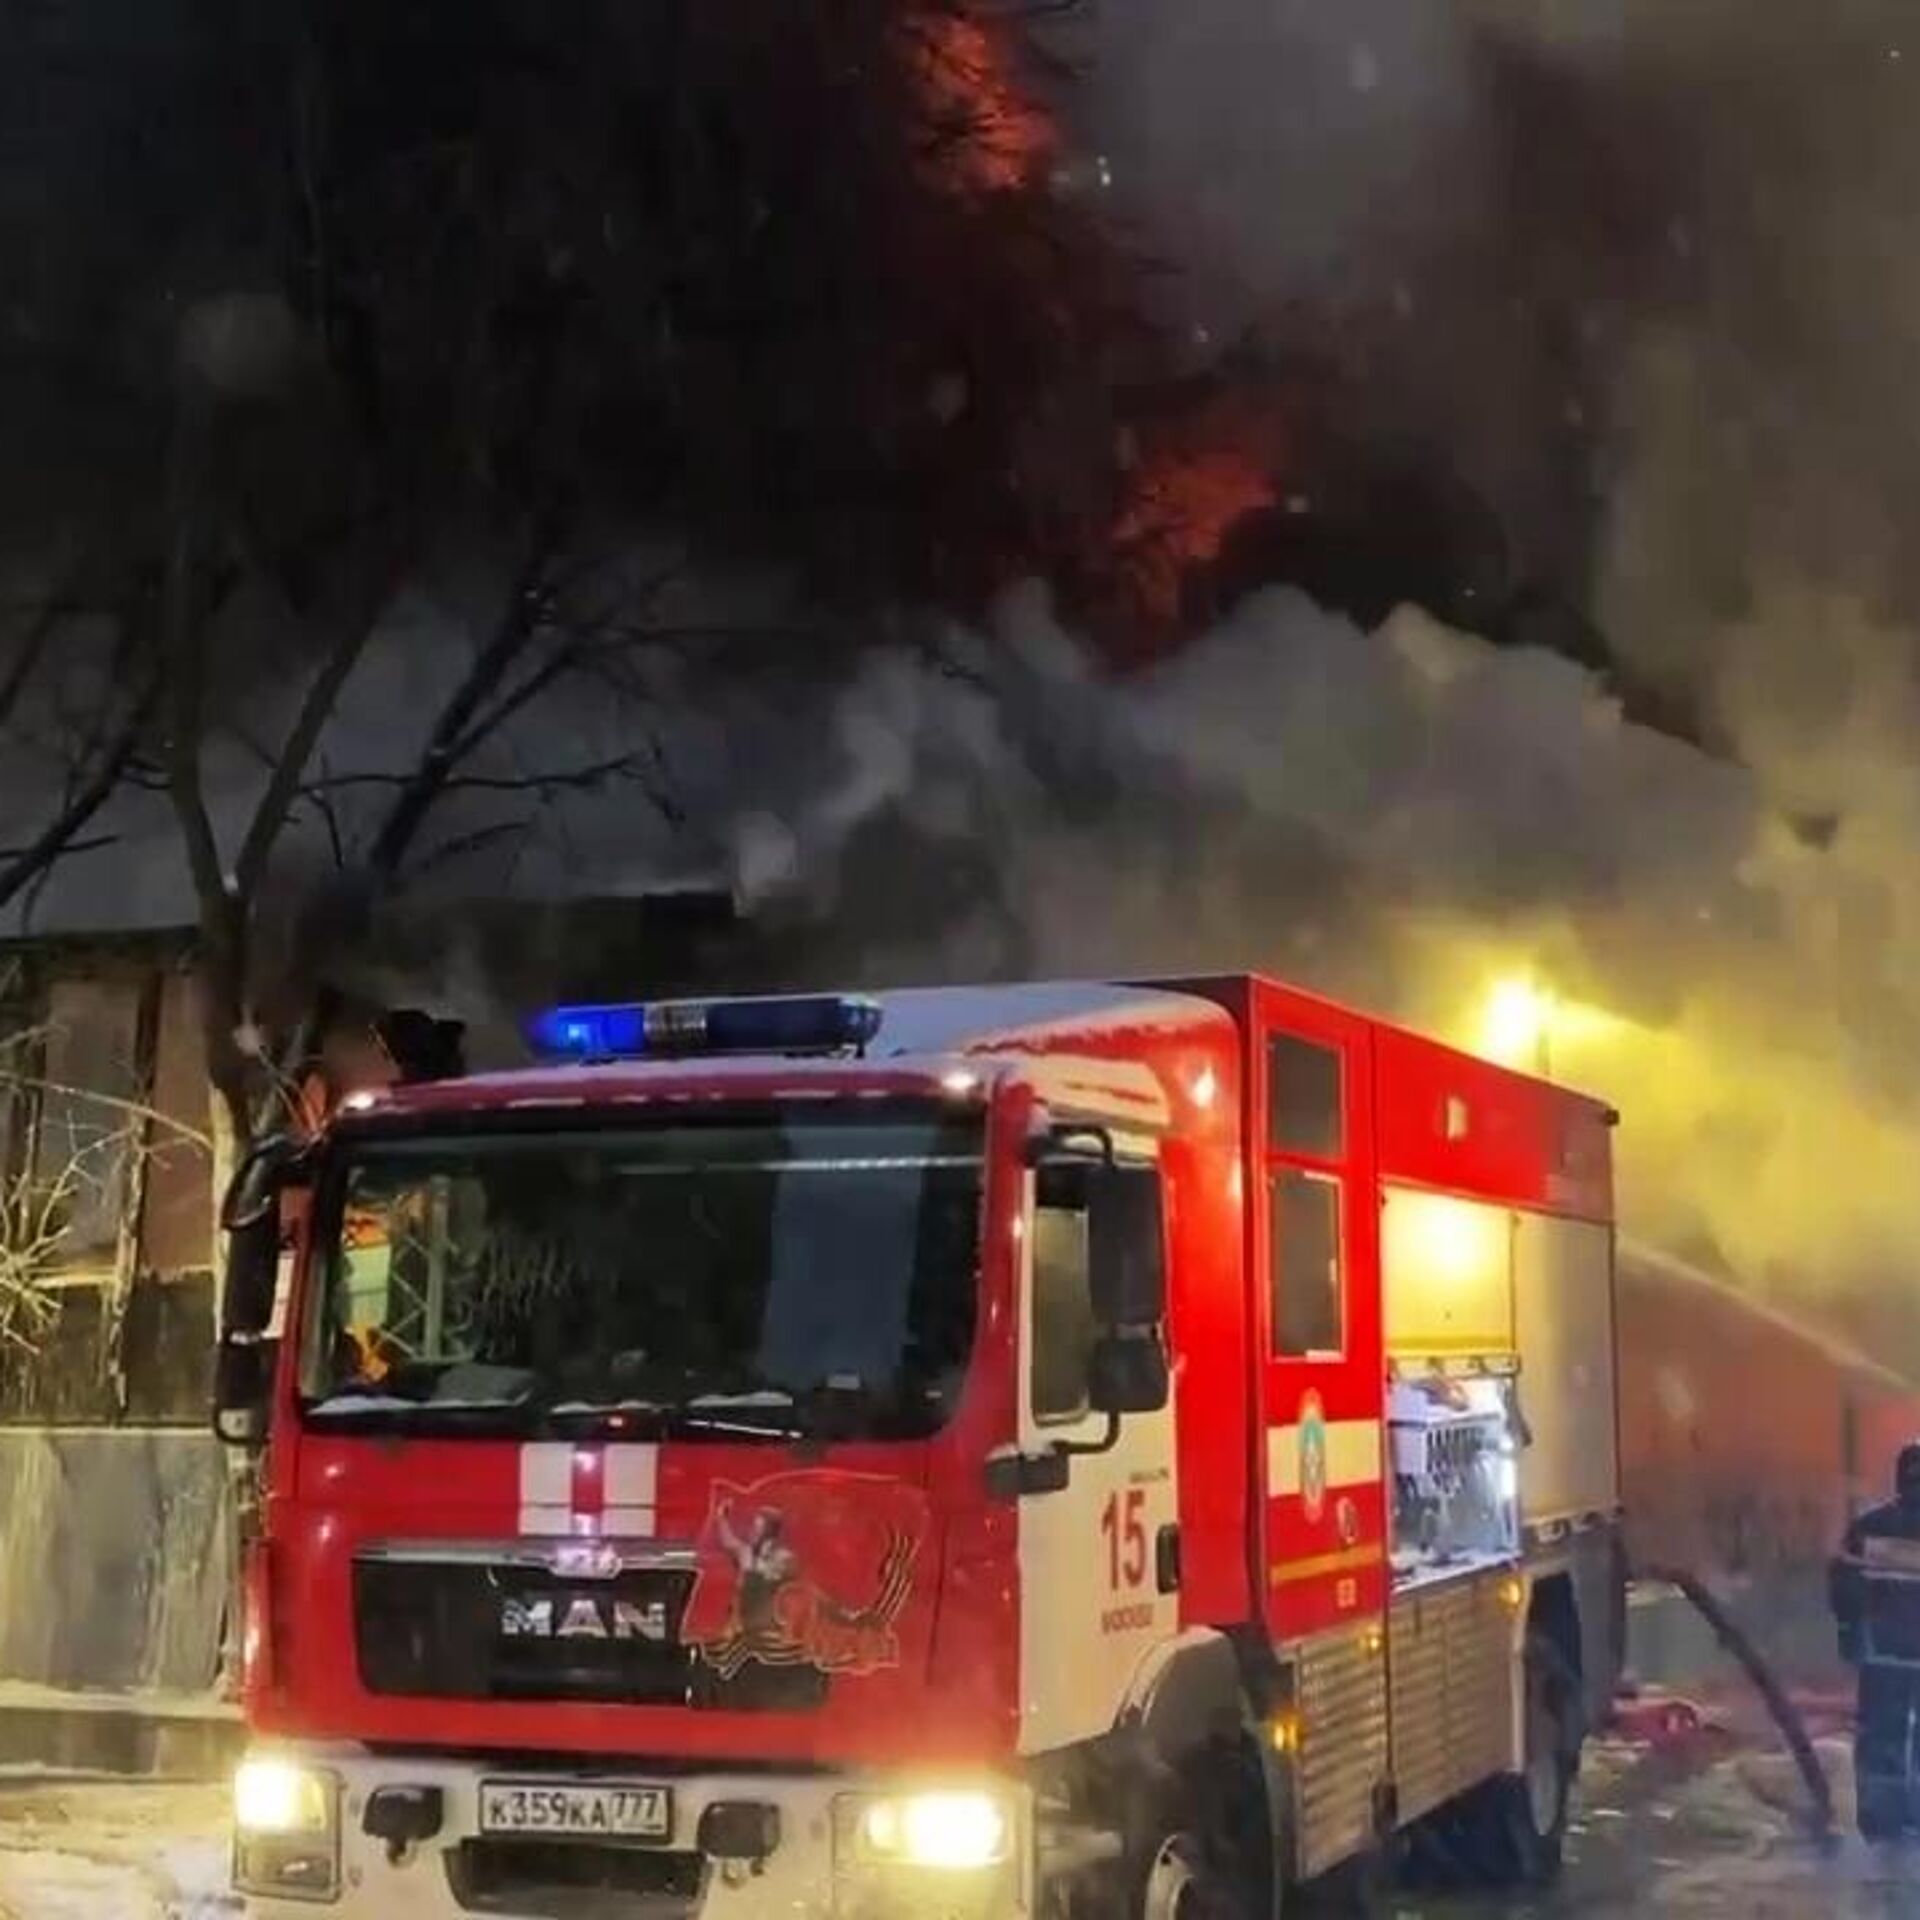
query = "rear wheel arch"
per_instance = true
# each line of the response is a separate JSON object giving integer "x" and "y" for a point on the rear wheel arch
{"x": 1553, "y": 1616}
{"x": 1186, "y": 1695}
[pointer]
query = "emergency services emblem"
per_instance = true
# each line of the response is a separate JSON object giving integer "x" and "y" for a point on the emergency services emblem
{"x": 1313, "y": 1457}
{"x": 806, "y": 1569}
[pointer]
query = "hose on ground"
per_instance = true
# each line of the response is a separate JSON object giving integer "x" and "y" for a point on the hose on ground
{"x": 1786, "y": 1716}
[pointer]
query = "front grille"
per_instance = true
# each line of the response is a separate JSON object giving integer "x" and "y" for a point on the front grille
{"x": 573, "y": 1880}
{"x": 470, "y": 1631}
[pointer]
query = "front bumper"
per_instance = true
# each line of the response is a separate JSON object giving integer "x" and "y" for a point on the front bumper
{"x": 458, "y": 1873}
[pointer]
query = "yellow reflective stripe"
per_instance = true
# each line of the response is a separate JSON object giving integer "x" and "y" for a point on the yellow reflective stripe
{"x": 1286, "y": 1573}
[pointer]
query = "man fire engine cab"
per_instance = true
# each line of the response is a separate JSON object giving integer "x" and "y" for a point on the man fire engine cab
{"x": 1026, "y": 1450}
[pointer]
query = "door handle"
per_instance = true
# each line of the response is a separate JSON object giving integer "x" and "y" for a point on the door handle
{"x": 1166, "y": 1559}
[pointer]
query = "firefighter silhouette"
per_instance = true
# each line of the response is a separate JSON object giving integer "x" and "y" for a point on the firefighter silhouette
{"x": 766, "y": 1566}
{"x": 1875, "y": 1591}
{"x": 808, "y": 1569}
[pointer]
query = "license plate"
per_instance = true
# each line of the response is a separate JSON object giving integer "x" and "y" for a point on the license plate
{"x": 589, "y": 1813}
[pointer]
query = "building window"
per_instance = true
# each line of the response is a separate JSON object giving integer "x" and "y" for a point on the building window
{"x": 1309, "y": 1319}
{"x": 88, "y": 1130}
{"x": 1305, "y": 1107}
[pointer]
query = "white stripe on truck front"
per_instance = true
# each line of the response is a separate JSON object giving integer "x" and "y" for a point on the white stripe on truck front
{"x": 1353, "y": 1457}
{"x": 568, "y": 1490}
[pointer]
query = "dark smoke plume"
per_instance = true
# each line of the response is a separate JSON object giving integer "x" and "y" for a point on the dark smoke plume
{"x": 1625, "y": 288}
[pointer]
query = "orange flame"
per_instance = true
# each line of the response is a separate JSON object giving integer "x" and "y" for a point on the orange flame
{"x": 1181, "y": 507}
{"x": 987, "y": 135}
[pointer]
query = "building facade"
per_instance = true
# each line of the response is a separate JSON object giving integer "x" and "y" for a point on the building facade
{"x": 114, "y": 1550}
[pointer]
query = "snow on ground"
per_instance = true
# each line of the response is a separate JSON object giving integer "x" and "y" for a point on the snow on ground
{"x": 1712, "y": 1834}
{"x": 119, "y": 1850}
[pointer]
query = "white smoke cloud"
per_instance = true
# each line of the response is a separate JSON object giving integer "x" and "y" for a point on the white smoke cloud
{"x": 1640, "y": 273}
{"x": 1397, "y": 818}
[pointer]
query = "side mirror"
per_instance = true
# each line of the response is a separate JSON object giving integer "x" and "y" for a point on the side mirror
{"x": 242, "y": 1387}
{"x": 254, "y": 1191}
{"x": 1126, "y": 1247}
{"x": 250, "y": 1218}
{"x": 253, "y": 1276}
{"x": 1128, "y": 1373}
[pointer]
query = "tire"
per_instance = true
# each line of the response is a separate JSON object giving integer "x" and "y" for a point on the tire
{"x": 1178, "y": 1884}
{"x": 1201, "y": 1860}
{"x": 1515, "y": 1827}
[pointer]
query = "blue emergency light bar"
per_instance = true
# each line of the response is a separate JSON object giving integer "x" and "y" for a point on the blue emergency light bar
{"x": 799, "y": 1023}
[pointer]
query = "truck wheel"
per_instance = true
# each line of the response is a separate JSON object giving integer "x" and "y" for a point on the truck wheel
{"x": 1178, "y": 1885}
{"x": 1518, "y": 1824}
{"x": 1199, "y": 1863}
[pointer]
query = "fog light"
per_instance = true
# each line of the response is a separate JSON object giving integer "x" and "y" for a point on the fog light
{"x": 946, "y": 1832}
{"x": 286, "y": 1866}
{"x": 286, "y": 1838}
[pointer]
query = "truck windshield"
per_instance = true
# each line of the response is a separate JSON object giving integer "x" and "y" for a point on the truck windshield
{"x": 761, "y": 1274}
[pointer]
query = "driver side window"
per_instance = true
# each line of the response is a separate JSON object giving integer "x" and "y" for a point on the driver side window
{"x": 1063, "y": 1327}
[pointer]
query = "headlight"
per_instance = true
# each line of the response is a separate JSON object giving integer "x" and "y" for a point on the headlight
{"x": 276, "y": 1796}
{"x": 286, "y": 1838}
{"x": 947, "y": 1832}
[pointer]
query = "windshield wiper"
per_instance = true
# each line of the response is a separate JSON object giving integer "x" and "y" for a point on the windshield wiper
{"x": 838, "y": 1407}
{"x": 668, "y": 1419}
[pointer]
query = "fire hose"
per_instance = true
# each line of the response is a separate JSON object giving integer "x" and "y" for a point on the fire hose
{"x": 1786, "y": 1716}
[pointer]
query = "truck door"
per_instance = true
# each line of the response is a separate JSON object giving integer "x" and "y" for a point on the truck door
{"x": 1099, "y": 1584}
{"x": 1319, "y": 1361}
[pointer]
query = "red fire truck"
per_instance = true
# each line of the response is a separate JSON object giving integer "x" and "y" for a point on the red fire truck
{"x": 1028, "y": 1450}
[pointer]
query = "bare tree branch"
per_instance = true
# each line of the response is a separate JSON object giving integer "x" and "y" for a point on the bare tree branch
{"x": 584, "y": 638}
{"x": 283, "y": 784}
{"x": 60, "y": 836}
{"x": 39, "y": 1202}
{"x": 322, "y": 803}
{"x": 184, "y": 645}
{"x": 526, "y": 611}
{"x": 545, "y": 781}
{"x": 26, "y": 661}
{"x": 462, "y": 846}
{"x": 132, "y": 1110}
{"x": 90, "y": 843}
